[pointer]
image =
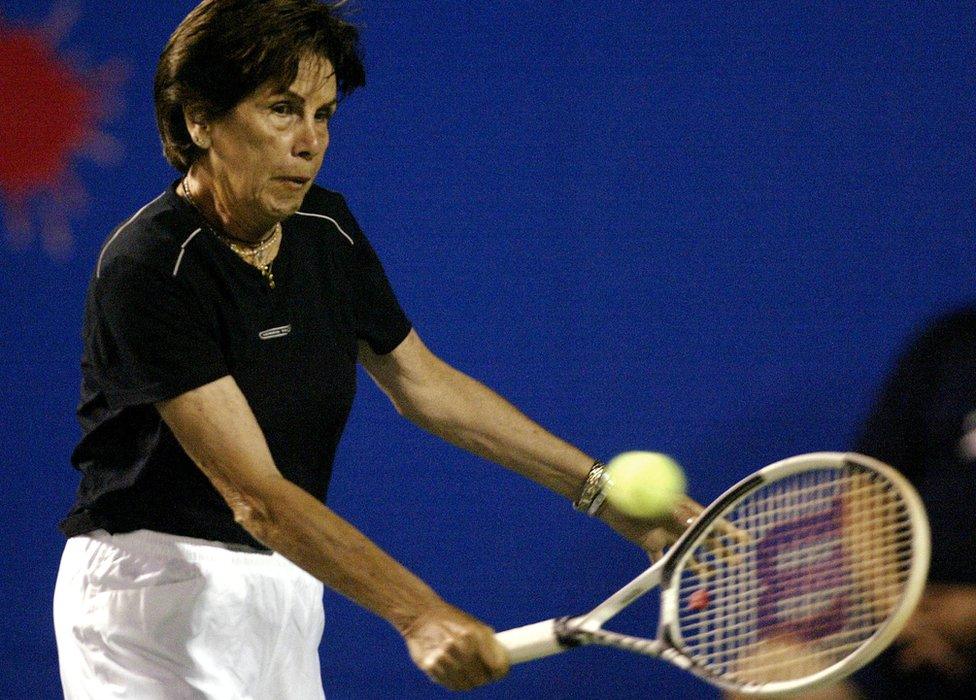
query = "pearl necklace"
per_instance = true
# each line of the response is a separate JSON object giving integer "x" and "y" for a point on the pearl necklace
{"x": 252, "y": 253}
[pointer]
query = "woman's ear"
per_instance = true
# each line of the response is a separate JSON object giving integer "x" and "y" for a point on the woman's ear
{"x": 199, "y": 129}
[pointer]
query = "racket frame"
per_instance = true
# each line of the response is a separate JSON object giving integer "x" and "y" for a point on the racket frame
{"x": 560, "y": 634}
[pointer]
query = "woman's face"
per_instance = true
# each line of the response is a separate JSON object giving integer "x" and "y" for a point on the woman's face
{"x": 264, "y": 154}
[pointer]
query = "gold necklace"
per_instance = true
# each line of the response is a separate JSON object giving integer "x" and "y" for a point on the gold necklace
{"x": 255, "y": 256}
{"x": 252, "y": 254}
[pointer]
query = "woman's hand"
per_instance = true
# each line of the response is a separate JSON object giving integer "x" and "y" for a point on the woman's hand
{"x": 455, "y": 649}
{"x": 651, "y": 535}
{"x": 941, "y": 632}
{"x": 951, "y": 609}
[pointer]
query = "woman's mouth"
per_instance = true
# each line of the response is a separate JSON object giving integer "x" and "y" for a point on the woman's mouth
{"x": 294, "y": 182}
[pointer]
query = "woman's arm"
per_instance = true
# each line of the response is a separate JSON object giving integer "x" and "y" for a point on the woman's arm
{"x": 216, "y": 427}
{"x": 466, "y": 413}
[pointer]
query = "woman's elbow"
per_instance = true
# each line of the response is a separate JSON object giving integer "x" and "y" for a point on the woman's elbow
{"x": 253, "y": 514}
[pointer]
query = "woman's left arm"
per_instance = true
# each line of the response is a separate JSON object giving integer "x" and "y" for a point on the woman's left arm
{"x": 466, "y": 413}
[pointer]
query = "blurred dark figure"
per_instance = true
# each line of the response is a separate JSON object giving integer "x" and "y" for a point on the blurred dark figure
{"x": 924, "y": 424}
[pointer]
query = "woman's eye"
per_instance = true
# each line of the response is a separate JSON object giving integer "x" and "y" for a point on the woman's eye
{"x": 282, "y": 108}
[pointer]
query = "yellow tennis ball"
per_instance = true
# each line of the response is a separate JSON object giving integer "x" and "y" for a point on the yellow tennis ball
{"x": 644, "y": 484}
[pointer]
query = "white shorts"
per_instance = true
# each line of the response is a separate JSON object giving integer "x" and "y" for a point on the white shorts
{"x": 150, "y": 615}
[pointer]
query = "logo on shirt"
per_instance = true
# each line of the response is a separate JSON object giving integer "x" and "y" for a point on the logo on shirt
{"x": 276, "y": 332}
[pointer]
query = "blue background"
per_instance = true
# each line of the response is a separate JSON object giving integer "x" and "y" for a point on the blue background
{"x": 700, "y": 228}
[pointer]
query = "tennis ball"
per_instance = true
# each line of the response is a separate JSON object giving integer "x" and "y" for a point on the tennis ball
{"x": 644, "y": 484}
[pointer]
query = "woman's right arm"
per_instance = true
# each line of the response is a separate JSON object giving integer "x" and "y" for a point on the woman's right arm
{"x": 216, "y": 427}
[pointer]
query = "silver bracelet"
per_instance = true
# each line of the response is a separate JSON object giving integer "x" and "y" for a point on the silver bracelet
{"x": 592, "y": 496}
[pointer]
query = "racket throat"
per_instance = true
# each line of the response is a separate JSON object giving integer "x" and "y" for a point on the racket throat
{"x": 667, "y": 649}
{"x": 567, "y": 634}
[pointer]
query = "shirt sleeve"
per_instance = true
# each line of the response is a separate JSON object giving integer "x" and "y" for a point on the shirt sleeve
{"x": 380, "y": 320}
{"x": 895, "y": 429}
{"x": 149, "y": 339}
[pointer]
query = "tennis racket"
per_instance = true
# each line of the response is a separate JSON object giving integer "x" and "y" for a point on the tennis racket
{"x": 794, "y": 578}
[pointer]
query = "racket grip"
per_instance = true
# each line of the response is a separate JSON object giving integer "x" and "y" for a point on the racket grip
{"x": 530, "y": 641}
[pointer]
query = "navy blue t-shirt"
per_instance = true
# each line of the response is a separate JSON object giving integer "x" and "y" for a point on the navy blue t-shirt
{"x": 924, "y": 424}
{"x": 171, "y": 308}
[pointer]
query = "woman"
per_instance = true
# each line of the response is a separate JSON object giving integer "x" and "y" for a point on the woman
{"x": 222, "y": 329}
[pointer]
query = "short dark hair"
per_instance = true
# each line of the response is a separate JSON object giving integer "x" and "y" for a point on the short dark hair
{"x": 224, "y": 50}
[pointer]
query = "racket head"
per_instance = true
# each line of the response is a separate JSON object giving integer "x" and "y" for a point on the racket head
{"x": 826, "y": 559}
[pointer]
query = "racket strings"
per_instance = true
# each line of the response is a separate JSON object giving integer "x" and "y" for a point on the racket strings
{"x": 734, "y": 624}
{"x": 802, "y": 561}
{"x": 812, "y": 567}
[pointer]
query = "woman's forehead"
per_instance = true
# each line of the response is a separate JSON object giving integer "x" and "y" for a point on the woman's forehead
{"x": 315, "y": 76}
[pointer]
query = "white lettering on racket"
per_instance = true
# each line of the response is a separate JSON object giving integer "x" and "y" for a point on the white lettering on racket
{"x": 804, "y": 577}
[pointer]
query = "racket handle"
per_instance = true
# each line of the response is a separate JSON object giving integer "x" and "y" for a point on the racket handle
{"x": 530, "y": 641}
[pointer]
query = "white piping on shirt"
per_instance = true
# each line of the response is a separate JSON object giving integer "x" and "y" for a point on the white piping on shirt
{"x": 98, "y": 267}
{"x": 179, "y": 259}
{"x": 329, "y": 218}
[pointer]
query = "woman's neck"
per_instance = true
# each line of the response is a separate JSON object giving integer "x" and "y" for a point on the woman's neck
{"x": 203, "y": 192}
